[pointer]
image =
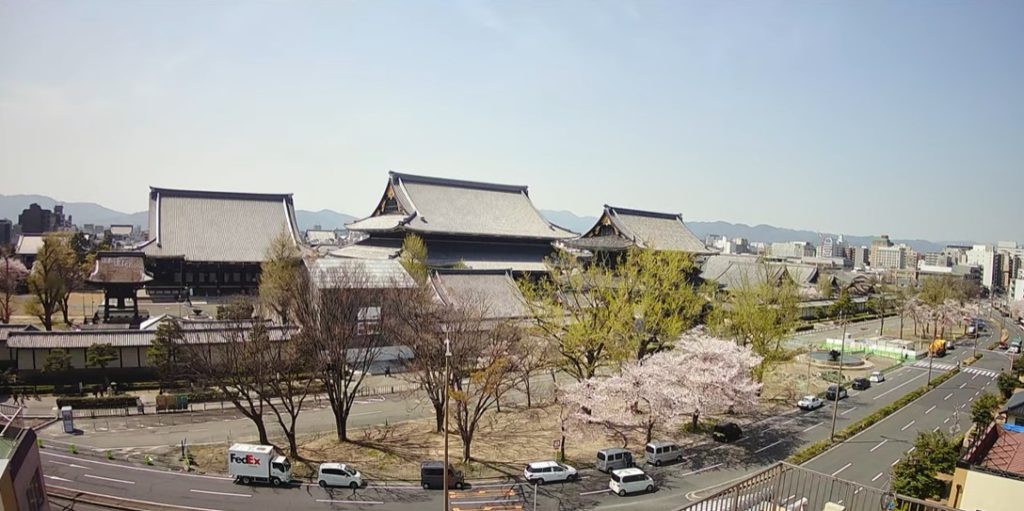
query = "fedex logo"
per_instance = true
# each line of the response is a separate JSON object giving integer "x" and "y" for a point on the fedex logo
{"x": 248, "y": 459}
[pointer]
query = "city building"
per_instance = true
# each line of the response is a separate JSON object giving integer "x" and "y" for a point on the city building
{"x": 792, "y": 250}
{"x": 212, "y": 243}
{"x": 889, "y": 257}
{"x": 619, "y": 228}
{"x": 990, "y": 473}
{"x": 36, "y": 220}
{"x": 832, "y": 247}
{"x": 1017, "y": 289}
{"x": 21, "y": 475}
{"x": 986, "y": 258}
{"x": 957, "y": 253}
{"x": 6, "y": 232}
{"x": 937, "y": 259}
{"x": 882, "y": 241}
{"x": 464, "y": 224}
{"x": 860, "y": 257}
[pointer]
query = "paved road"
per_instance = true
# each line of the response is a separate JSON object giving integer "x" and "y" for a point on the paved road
{"x": 706, "y": 465}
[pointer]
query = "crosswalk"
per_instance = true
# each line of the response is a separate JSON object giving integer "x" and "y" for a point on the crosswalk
{"x": 943, "y": 366}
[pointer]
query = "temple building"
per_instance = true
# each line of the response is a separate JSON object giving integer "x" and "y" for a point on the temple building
{"x": 619, "y": 228}
{"x": 464, "y": 224}
{"x": 119, "y": 275}
{"x": 211, "y": 243}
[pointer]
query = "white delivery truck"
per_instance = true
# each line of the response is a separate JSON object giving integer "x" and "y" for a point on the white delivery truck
{"x": 258, "y": 463}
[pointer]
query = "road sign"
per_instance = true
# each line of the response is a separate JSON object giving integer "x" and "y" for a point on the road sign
{"x": 556, "y": 443}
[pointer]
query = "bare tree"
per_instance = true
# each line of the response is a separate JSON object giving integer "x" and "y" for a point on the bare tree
{"x": 12, "y": 274}
{"x": 531, "y": 355}
{"x": 340, "y": 309}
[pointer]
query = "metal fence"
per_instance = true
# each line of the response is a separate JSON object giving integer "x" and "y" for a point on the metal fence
{"x": 792, "y": 488}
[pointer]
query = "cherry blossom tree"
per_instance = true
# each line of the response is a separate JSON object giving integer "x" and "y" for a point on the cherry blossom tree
{"x": 703, "y": 375}
{"x": 12, "y": 274}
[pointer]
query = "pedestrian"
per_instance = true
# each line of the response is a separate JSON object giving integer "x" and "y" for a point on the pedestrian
{"x": 387, "y": 371}
{"x": 14, "y": 396}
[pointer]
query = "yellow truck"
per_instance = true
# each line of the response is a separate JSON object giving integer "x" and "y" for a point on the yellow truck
{"x": 937, "y": 348}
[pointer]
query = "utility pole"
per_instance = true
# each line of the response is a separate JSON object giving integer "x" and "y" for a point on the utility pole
{"x": 839, "y": 385}
{"x": 447, "y": 382}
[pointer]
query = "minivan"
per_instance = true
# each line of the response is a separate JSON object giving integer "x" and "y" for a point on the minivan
{"x": 339, "y": 474}
{"x": 662, "y": 452}
{"x": 432, "y": 476}
{"x": 611, "y": 459}
{"x": 630, "y": 480}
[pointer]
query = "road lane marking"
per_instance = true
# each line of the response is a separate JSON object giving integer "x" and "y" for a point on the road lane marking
{"x": 973, "y": 377}
{"x": 964, "y": 385}
{"x": 911, "y": 423}
{"x": 108, "y": 479}
{"x": 331, "y": 501}
{"x": 149, "y": 502}
{"x": 222, "y": 493}
{"x": 936, "y": 430}
{"x": 898, "y": 386}
{"x": 976, "y": 393}
{"x": 948, "y": 396}
{"x": 769, "y": 446}
{"x": 945, "y": 421}
{"x": 842, "y": 469}
{"x": 702, "y": 470}
{"x": 595, "y": 492}
{"x": 895, "y": 462}
{"x": 875, "y": 448}
{"x": 911, "y": 450}
{"x": 810, "y": 428}
{"x": 130, "y": 467}
{"x": 789, "y": 421}
{"x": 880, "y": 474}
{"x": 848, "y": 411}
{"x": 55, "y": 478}
{"x": 72, "y": 465}
{"x": 926, "y": 412}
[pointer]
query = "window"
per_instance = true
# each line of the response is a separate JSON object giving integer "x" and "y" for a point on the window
{"x": 368, "y": 321}
{"x": 188, "y": 276}
{"x": 600, "y": 456}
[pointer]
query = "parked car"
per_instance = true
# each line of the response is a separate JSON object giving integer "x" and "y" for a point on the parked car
{"x": 432, "y": 476}
{"x": 630, "y": 480}
{"x": 727, "y": 432}
{"x": 877, "y": 377}
{"x": 810, "y": 402}
{"x": 541, "y": 472}
{"x": 662, "y": 452}
{"x": 339, "y": 474}
{"x": 614, "y": 458}
{"x": 830, "y": 394}
{"x": 861, "y": 384}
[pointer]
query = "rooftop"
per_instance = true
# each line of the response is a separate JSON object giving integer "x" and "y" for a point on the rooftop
{"x": 217, "y": 226}
{"x": 215, "y": 334}
{"x": 645, "y": 229}
{"x": 999, "y": 449}
{"x": 493, "y": 291}
{"x": 119, "y": 268}
{"x": 425, "y": 204}
{"x": 339, "y": 272}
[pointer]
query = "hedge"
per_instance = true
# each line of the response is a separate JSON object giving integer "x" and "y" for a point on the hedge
{"x": 88, "y": 403}
{"x": 800, "y": 457}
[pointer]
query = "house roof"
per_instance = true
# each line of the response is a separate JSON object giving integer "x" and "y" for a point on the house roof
{"x": 732, "y": 271}
{"x": 367, "y": 251}
{"x": 424, "y": 204}
{"x": 29, "y": 244}
{"x": 493, "y": 291}
{"x": 119, "y": 268}
{"x": 1015, "y": 404}
{"x": 217, "y": 226}
{"x": 1007, "y": 452}
{"x": 127, "y": 338}
{"x": 332, "y": 272}
{"x": 645, "y": 229}
{"x": 5, "y": 330}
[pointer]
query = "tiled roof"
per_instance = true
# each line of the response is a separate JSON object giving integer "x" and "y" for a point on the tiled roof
{"x": 367, "y": 251}
{"x": 29, "y": 244}
{"x": 330, "y": 272}
{"x": 731, "y": 271}
{"x": 493, "y": 291}
{"x": 5, "y": 330}
{"x": 660, "y": 231}
{"x": 1007, "y": 453}
{"x": 1015, "y": 403}
{"x": 125, "y": 338}
{"x": 449, "y": 206}
{"x": 217, "y": 226}
{"x": 119, "y": 268}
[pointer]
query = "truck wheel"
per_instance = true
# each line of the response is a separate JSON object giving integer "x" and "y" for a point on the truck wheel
{"x": 275, "y": 481}
{"x": 246, "y": 480}
{"x": 353, "y": 485}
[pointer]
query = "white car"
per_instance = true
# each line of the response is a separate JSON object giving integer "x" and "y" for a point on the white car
{"x": 548, "y": 472}
{"x": 630, "y": 480}
{"x": 876, "y": 377}
{"x": 810, "y": 402}
{"x": 339, "y": 474}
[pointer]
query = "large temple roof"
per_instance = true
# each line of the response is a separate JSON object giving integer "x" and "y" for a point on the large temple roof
{"x": 447, "y": 206}
{"x": 619, "y": 228}
{"x": 217, "y": 226}
{"x": 494, "y": 293}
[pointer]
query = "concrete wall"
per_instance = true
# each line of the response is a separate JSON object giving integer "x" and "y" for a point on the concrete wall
{"x": 990, "y": 492}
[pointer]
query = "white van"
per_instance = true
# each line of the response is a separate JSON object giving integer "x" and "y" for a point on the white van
{"x": 630, "y": 480}
{"x": 662, "y": 452}
{"x": 339, "y": 474}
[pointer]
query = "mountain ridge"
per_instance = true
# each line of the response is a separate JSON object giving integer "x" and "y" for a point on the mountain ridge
{"x": 92, "y": 213}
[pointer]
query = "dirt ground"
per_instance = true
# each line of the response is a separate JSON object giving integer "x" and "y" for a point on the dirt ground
{"x": 83, "y": 305}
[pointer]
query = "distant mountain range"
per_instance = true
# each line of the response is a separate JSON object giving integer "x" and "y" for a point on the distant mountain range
{"x": 91, "y": 213}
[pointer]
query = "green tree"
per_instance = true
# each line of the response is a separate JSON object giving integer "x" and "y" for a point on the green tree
{"x": 279, "y": 274}
{"x": 761, "y": 315}
{"x": 414, "y": 257}
{"x": 57, "y": 360}
{"x": 47, "y": 281}
{"x": 934, "y": 453}
{"x": 162, "y": 354}
{"x": 99, "y": 355}
{"x": 1007, "y": 384}
{"x": 983, "y": 410}
{"x": 880, "y": 304}
{"x": 843, "y": 306}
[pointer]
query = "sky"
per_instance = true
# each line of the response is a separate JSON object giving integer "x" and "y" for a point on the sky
{"x": 856, "y": 117}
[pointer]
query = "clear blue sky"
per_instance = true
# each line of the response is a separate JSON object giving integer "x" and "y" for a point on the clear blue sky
{"x": 859, "y": 117}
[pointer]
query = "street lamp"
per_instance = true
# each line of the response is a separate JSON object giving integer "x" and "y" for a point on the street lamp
{"x": 842, "y": 353}
{"x": 447, "y": 377}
